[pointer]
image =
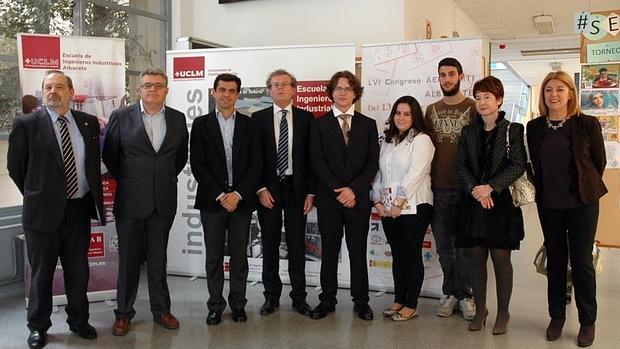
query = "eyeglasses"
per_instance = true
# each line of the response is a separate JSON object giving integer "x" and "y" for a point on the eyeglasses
{"x": 157, "y": 85}
{"x": 283, "y": 85}
{"x": 343, "y": 89}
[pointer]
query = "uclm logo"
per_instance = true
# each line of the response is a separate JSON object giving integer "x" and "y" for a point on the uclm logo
{"x": 41, "y": 52}
{"x": 188, "y": 68}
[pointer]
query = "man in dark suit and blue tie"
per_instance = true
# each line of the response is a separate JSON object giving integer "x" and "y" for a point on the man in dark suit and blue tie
{"x": 53, "y": 158}
{"x": 145, "y": 149}
{"x": 226, "y": 163}
{"x": 286, "y": 186}
{"x": 344, "y": 151}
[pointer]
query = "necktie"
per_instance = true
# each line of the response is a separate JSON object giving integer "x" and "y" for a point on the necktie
{"x": 283, "y": 145}
{"x": 345, "y": 127}
{"x": 69, "y": 159}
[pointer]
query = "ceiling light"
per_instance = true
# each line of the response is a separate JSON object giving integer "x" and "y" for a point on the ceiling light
{"x": 551, "y": 51}
{"x": 544, "y": 24}
{"x": 556, "y": 66}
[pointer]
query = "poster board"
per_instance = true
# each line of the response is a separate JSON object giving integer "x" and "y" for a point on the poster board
{"x": 97, "y": 69}
{"x": 192, "y": 73}
{"x": 390, "y": 71}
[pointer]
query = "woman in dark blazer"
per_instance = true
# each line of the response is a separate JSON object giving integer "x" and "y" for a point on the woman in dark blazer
{"x": 568, "y": 159}
{"x": 490, "y": 223}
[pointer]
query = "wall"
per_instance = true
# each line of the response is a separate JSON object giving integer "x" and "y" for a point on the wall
{"x": 285, "y": 22}
{"x": 301, "y": 22}
{"x": 444, "y": 15}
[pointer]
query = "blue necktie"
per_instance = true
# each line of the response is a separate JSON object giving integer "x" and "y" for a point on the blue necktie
{"x": 283, "y": 145}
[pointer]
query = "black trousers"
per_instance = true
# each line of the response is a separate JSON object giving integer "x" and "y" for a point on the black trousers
{"x": 69, "y": 243}
{"x": 271, "y": 231}
{"x": 569, "y": 233}
{"x": 333, "y": 223}
{"x": 138, "y": 240}
{"x": 215, "y": 225}
{"x": 405, "y": 235}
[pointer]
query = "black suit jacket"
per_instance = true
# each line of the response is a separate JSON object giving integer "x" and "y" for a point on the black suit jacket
{"x": 588, "y": 151}
{"x": 35, "y": 164}
{"x": 208, "y": 161}
{"x": 303, "y": 183}
{"x": 146, "y": 180}
{"x": 337, "y": 164}
{"x": 503, "y": 171}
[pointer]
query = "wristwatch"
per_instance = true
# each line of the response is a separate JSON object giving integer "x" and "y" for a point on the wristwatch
{"x": 400, "y": 204}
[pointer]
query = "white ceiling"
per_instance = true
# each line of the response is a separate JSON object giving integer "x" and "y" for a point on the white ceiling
{"x": 511, "y": 23}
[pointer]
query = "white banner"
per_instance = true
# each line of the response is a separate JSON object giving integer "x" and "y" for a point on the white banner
{"x": 97, "y": 68}
{"x": 191, "y": 76}
{"x": 390, "y": 71}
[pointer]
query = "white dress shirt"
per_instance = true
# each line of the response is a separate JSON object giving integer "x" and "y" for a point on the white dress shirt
{"x": 404, "y": 172}
{"x": 350, "y": 112}
{"x": 155, "y": 126}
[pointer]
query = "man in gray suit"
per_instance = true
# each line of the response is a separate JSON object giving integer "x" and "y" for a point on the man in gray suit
{"x": 145, "y": 149}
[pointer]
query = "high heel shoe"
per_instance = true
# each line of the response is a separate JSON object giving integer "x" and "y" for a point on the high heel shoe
{"x": 499, "y": 329}
{"x": 389, "y": 312}
{"x": 476, "y": 325}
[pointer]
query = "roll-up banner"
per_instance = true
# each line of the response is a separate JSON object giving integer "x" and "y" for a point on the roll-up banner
{"x": 191, "y": 75}
{"x": 97, "y": 68}
{"x": 390, "y": 71}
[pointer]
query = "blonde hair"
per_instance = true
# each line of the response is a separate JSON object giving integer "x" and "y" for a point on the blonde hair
{"x": 573, "y": 107}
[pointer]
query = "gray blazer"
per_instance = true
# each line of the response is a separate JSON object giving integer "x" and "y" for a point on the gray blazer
{"x": 146, "y": 180}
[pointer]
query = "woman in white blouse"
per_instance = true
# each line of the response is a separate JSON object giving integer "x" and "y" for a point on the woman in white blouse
{"x": 402, "y": 196}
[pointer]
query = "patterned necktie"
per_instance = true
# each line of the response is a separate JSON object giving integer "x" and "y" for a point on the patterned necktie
{"x": 345, "y": 127}
{"x": 283, "y": 145}
{"x": 69, "y": 159}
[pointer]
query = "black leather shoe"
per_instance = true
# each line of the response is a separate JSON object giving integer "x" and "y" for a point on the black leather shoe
{"x": 322, "y": 310}
{"x": 554, "y": 330}
{"x": 85, "y": 331}
{"x": 269, "y": 307}
{"x": 37, "y": 339}
{"x": 363, "y": 311}
{"x": 303, "y": 308}
{"x": 239, "y": 315}
{"x": 214, "y": 318}
{"x": 585, "y": 338}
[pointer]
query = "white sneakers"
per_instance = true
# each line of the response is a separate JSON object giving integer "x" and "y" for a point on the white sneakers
{"x": 467, "y": 308}
{"x": 448, "y": 304}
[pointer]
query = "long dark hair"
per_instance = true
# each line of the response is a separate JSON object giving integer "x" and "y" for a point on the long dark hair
{"x": 419, "y": 121}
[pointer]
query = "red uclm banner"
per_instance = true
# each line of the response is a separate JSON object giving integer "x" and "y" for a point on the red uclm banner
{"x": 188, "y": 68}
{"x": 40, "y": 52}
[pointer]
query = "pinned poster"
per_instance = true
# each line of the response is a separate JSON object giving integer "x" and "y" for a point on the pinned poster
{"x": 97, "y": 68}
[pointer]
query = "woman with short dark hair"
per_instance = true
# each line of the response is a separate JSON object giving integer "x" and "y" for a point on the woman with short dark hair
{"x": 491, "y": 156}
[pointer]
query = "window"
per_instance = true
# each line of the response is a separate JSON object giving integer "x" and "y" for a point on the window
{"x": 144, "y": 24}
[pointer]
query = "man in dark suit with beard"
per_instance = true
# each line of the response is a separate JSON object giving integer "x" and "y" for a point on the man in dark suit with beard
{"x": 53, "y": 158}
{"x": 286, "y": 186}
{"x": 226, "y": 163}
{"x": 344, "y": 151}
{"x": 145, "y": 149}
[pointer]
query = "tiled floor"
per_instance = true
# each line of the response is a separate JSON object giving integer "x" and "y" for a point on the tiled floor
{"x": 287, "y": 329}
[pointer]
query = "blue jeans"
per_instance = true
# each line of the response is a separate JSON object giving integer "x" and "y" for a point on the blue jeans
{"x": 454, "y": 261}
